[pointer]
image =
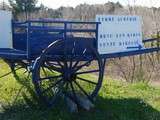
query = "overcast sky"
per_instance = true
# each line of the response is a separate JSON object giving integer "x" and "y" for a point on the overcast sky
{"x": 57, "y": 3}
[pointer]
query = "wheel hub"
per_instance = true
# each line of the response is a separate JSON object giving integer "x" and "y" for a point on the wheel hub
{"x": 69, "y": 75}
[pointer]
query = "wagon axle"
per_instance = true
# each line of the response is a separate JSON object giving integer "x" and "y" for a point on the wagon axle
{"x": 69, "y": 76}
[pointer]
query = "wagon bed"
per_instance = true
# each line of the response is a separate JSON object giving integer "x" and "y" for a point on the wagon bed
{"x": 9, "y": 53}
{"x": 30, "y": 43}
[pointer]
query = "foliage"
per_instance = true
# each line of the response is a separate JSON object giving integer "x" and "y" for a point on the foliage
{"x": 23, "y": 6}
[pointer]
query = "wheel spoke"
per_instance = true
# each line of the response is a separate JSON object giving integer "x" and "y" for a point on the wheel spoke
{"x": 5, "y": 74}
{"x": 29, "y": 73}
{"x": 66, "y": 85}
{"x": 51, "y": 70}
{"x": 71, "y": 63}
{"x": 51, "y": 77}
{"x": 73, "y": 49}
{"x": 73, "y": 53}
{"x": 60, "y": 64}
{"x": 65, "y": 64}
{"x": 81, "y": 66}
{"x": 86, "y": 72}
{"x": 74, "y": 93}
{"x": 54, "y": 68}
{"x": 52, "y": 63}
{"x": 25, "y": 71}
{"x": 55, "y": 64}
{"x": 85, "y": 93}
{"x": 87, "y": 80}
{"x": 75, "y": 65}
{"x": 45, "y": 73}
{"x": 18, "y": 68}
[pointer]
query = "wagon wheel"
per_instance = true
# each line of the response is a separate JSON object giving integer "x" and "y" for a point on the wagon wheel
{"x": 67, "y": 77}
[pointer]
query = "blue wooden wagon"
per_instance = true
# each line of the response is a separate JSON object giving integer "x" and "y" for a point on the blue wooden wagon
{"x": 61, "y": 55}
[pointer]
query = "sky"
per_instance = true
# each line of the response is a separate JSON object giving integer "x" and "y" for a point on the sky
{"x": 58, "y": 3}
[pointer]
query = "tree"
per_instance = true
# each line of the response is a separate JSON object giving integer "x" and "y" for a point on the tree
{"x": 23, "y": 6}
{"x": 4, "y": 6}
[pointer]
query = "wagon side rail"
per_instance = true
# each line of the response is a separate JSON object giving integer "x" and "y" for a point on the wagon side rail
{"x": 151, "y": 45}
{"x": 32, "y": 26}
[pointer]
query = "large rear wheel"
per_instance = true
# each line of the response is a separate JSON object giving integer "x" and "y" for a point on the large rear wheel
{"x": 68, "y": 77}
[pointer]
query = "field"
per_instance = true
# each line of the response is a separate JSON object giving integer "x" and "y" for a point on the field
{"x": 117, "y": 100}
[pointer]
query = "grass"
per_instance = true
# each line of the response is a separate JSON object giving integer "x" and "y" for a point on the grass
{"x": 116, "y": 101}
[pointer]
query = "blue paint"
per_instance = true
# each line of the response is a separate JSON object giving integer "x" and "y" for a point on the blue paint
{"x": 135, "y": 47}
{"x": 30, "y": 40}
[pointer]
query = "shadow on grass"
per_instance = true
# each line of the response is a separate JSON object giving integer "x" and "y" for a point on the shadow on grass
{"x": 106, "y": 109}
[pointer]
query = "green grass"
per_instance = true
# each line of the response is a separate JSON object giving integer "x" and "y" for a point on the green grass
{"x": 116, "y": 101}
